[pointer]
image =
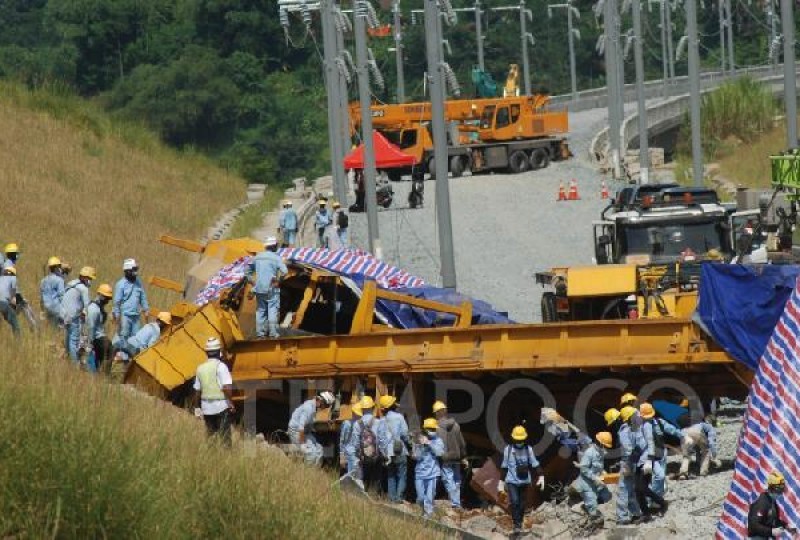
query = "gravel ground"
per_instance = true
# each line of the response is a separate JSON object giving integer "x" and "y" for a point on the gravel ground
{"x": 695, "y": 505}
{"x": 505, "y": 227}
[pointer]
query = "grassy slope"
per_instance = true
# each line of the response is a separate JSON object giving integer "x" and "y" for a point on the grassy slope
{"x": 749, "y": 165}
{"x": 80, "y": 458}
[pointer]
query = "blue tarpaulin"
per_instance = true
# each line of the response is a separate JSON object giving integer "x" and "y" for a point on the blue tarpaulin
{"x": 740, "y": 305}
{"x": 406, "y": 316}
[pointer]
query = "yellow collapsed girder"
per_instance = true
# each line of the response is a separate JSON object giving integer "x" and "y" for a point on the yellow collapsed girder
{"x": 173, "y": 360}
{"x": 670, "y": 344}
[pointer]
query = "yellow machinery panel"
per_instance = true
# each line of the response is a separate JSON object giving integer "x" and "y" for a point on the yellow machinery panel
{"x": 602, "y": 280}
{"x": 173, "y": 360}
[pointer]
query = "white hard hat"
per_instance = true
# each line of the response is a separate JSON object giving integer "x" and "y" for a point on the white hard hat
{"x": 287, "y": 203}
{"x": 271, "y": 241}
{"x": 213, "y": 345}
{"x": 327, "y": 397}
{"x": 129, "y": 264}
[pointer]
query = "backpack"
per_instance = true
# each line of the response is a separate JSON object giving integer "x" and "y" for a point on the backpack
{"x": 342, "y": 220}
{"x": 368, "y": 444}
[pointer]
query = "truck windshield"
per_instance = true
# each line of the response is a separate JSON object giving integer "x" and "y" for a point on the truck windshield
{"x": 673, "y": 239}
{"x": 403, "y": 139}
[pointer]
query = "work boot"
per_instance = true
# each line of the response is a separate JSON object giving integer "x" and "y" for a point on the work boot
{"x": 577, "y": 508}
{"x": 597, "y": 521}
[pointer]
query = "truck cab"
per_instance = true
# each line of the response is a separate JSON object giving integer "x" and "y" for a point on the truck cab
{"x": 662, "y": 224}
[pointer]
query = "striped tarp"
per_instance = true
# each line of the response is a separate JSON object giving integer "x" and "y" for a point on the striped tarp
{"x": 347, "y": 262}
{"x": 770, "y": 438}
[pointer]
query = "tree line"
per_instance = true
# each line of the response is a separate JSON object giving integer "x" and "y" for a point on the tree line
{"x": 221, "y": 76}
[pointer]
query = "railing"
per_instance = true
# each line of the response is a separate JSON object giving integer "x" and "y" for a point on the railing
{"x": 659, "y": 113}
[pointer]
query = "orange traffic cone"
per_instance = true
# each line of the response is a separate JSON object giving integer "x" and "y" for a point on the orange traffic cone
{"x": 562, "y": 194}
{"x": 573, "y": 191}
{"x": 604, "y": 190}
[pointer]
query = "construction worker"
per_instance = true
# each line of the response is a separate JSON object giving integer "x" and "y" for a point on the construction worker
{"x": 342, "y": 221}
{"x": 268, "y": 268}
{"x": 519, "y": 466}
{"x": 764, "y": 517}
{"x": 214, "y": 386}
{"x": 348, "y": 451}
{"x": 96, "y": 317}
{"x": 12, "y": 255}
{"x": 148, "y": 335}
{"x": 73, "y": 309}
{"x": 130, "y": 302}
{"x": 396, "y": 448}
{"x": 8, "y": 297}
{"x": 51, "y": 291}
{"x": 367, "y": 433}
{"x": 287, "y": 224}
{"x": 655, "y": 431}
{"x": 428, "y": 450}
{"x": 700, "y": 441}
{"x": 322, "y": 219}
{"x": 590, "y": 483}
{"x": 628, "y": 400}
{"x": 455, "y": 451}
{"x": 633, "y": 448}
{"x": 301, "y": 427}
{"x": 611, "y": 417}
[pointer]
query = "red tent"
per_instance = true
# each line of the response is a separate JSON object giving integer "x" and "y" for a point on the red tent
{"x": 387, "y": 155}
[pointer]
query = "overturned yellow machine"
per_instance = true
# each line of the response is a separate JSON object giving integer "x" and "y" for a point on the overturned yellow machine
{"x": 333, "y": 336}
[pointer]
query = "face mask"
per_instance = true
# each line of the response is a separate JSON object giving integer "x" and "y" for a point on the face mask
{"x": 431, "y": 434}
{"x": 519, "y": 445}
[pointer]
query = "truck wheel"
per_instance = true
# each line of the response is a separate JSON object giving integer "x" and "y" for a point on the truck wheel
{"x": 540, "y": 158}
{"x": 518, "y": 162}
{"x": 456, "y": 166}
{"x": 431, "y": 166}
{"x": 549, "y": 313}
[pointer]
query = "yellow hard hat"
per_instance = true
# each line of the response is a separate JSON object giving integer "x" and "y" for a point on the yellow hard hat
{"x": 627, "y": 412}
{"x": 165, "y": 317}
{"x": 356, "y": 408}
{"x": 367, "y": 402}
{"x": 336, "y": 204}
{"x": 611, "y": 416}
{"x": 605, "y": 439}
{"x": 387, "y": 401}
{"x": 11, "y": 248}
{"x": 430, "y": 423}
{"x": 685, "y": 403}
{"x": 627, "y": 398}
{"x": 88, "y": 272}
{"x": 438, "y": 406}
{"x": 287, "y": 203}
{"x": 323, "y": 202}
{"x": 775, "y": 479}
{"x": 105, "y": 290}
{"x": 53, "y": 261}
{"x": 647, "y": 411}
{"x": 519, "y": 433}
{"x": 11, "y": 270}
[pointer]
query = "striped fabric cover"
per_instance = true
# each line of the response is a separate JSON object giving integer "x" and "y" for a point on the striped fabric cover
{"x": 348, "y": 262}
{"x": 770, "y": 438}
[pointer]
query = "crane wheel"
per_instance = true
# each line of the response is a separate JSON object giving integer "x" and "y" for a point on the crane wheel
{"x": 518, "y": 162}
{"x": 431, "y": 166}
{"x": 456, "y": 166}
{"x": 540, "y": 159}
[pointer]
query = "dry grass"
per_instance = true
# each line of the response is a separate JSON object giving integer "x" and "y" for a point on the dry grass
{"x": 80, "y": 458}
{"x": 749, "y": 165}
{"x": 75, "y": 187}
